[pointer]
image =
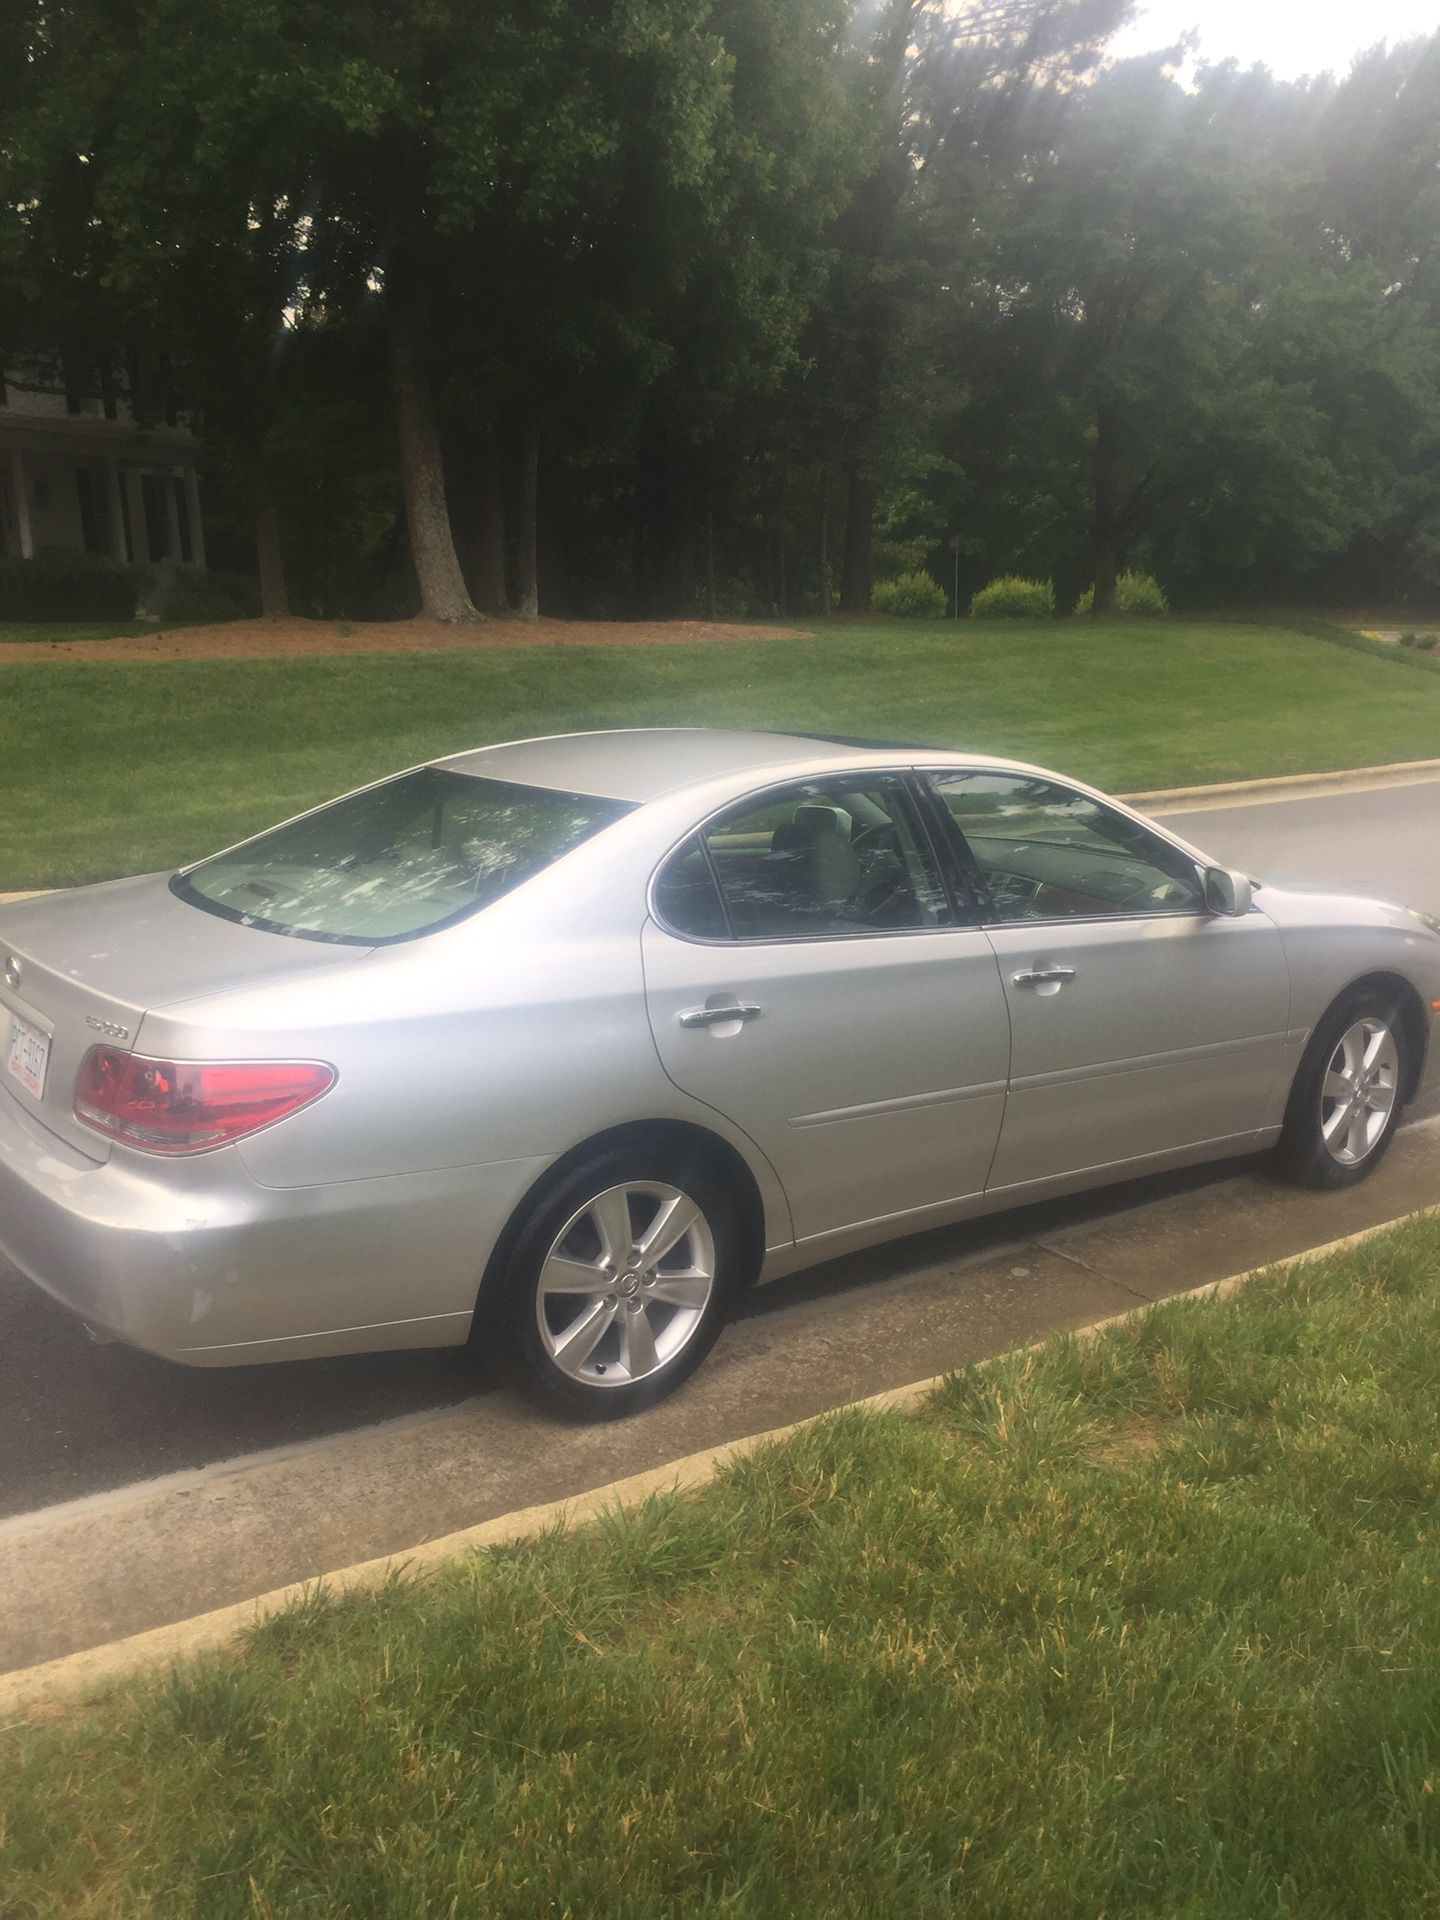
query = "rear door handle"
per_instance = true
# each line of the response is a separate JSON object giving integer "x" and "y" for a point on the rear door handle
{"x": 717, "y": 1016}
{"x": 1038, "y": 976}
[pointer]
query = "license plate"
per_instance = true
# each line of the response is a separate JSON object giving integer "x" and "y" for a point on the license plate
{"x": 29, "y": 1055}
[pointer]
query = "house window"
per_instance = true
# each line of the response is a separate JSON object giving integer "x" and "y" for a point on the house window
{"x": 157, "y": 514}
{"x": 182, "y": 520}
{"x": 91, "y": 511}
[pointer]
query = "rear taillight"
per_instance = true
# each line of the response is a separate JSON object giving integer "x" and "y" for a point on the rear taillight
{"x": 169, "y": 1106}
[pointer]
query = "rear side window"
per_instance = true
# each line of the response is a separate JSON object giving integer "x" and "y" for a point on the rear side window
{"x": 819, "y": 859}
{"x": 400, "y": 859}
{"x": 686, "y": 897}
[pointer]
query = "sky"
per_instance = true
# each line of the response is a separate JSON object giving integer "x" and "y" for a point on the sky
{"x": 1290, "y": 37}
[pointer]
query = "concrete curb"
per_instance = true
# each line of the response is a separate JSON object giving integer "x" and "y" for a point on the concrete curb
{"x": 1285, "y": 786}
{"x": 40, "y": 1691}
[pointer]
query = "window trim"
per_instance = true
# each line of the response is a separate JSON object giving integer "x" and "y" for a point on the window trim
{"x": 967, "y": 913}
{"x": 992, "y": 918}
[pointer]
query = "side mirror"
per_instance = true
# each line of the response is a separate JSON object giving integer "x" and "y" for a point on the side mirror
{"x": 1228, "y": 893}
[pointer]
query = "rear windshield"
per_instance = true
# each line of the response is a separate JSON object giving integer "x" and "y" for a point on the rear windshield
{"x": 398, "y": 860}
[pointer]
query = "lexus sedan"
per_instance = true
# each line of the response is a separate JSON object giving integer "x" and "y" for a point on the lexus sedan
{"x": 559, "y": 1045}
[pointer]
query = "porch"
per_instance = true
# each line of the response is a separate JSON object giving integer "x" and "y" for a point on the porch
{"x": 102, "y": 487}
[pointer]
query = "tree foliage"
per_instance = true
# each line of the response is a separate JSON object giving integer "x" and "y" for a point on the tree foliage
{"x": 657, "y": 306}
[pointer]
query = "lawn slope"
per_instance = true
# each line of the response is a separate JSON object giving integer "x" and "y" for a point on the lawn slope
{"x": 108, "y": 769}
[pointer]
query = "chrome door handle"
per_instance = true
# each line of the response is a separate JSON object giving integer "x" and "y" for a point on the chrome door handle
{"x": 717, "y": 1016}
{"x": 1037, "y": 976}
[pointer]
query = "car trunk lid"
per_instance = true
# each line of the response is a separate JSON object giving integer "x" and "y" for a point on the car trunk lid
{"x": 81, "y": 969}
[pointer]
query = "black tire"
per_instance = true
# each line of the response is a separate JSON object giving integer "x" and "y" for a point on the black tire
{"x": 1303, "y": 1154}
{"x": 521, "y": 1308}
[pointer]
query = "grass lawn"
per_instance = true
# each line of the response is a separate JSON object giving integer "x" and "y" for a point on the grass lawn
{"x": 50, "y": 632}
{"x": 1144, "y": 1626}
{"x": 108, "y": 769}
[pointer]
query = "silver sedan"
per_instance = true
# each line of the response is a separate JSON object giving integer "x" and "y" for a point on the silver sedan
{"x": 562, "y": 1044}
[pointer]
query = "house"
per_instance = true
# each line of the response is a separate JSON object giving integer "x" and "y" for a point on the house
{"x": 97, "y": 459}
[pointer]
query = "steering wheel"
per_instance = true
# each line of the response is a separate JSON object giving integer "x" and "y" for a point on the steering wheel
{"x": 1166, "y": 893}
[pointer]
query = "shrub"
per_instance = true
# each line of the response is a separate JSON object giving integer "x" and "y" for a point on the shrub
{"x": 917, "y": 595}
{"x": 61, "y": 585}
{"x": 192, "y": 598}
{"x": 1139, "y": 595}
{"x": 1012, "y": 598}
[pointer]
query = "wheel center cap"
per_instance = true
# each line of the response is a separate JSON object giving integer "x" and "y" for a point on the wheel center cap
{"x": 629, "y": 1285}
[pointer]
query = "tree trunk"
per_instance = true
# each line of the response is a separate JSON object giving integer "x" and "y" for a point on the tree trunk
{"x": 667, "y": 545}
{"x": 477, "y": 519}
{"x": 422, "y": 473}
{"x": 1105, "y": 528}
{"x": 711, "y": 598}
{"x": 527, "y": 523}
{"x": 1107, "y": 567}
{"x": 782, "y": 585}
{"x": 274, "y": 597}
{"x": 678, "y": 582}
{"x": 859, "y": 534}
{"x": 825, "y": 543}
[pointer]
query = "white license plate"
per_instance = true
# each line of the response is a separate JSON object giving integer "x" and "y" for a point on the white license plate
{"x": 29, "y": 1055}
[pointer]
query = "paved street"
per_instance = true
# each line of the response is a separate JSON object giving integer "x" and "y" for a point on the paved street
{"x": 76, "y": 1419}
{"x": 1385, "y": 842}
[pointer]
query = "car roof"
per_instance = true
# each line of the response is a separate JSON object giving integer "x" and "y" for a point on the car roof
{"x": 641, "y": 763}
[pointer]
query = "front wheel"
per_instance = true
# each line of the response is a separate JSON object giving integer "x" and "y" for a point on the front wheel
{"x": 1348, "y": 1094}
{"x": 622, "y": 1281}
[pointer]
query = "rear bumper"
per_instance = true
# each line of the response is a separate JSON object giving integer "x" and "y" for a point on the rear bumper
{"x": 193, "y": 1260}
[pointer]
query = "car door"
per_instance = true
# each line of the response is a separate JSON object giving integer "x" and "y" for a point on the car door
{"x": 809, "y": 977}
{"x": 1141, "y": 1023}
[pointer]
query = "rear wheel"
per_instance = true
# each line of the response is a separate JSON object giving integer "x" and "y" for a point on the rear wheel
{"x": 622, "y": 1280}
{"x": 1348, "y": 1094}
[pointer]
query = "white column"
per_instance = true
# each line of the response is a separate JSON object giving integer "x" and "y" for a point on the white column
{"x": 172, "y": 514}
{"x": 117, "y": 510}
{"x": 197, "y": 532}
{"x": 19, "y": 480}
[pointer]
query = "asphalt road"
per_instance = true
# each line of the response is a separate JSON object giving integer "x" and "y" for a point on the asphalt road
{"x": 1385, "y": 842}
{"x": 77, "y": 1419}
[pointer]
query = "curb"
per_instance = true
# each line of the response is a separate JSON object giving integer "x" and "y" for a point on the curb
{"x": 41, "y": 1690}
{"x": 1286, "y": 786}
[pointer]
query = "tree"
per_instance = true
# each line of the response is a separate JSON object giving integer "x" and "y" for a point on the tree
{"x": 938, "y": 91}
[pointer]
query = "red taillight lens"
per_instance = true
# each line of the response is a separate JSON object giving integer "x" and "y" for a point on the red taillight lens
{"x": 167, "y": 1106}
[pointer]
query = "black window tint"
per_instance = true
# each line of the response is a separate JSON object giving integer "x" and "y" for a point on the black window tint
{"x": 830, "y": 857}
{"x": 686, "y": 898}
{"x": 1049, "y": 853}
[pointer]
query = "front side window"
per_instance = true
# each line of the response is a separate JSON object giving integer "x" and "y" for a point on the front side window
{"x": 397, "y": 860}
{"x": 817, "y": 858}
{"x": 1049, "y": 853}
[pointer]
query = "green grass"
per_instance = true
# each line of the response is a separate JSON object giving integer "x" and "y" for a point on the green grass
{"x": 1147, "y": 1626}
{"x": 108, "y": 769}
{"x": 51, "y": 632}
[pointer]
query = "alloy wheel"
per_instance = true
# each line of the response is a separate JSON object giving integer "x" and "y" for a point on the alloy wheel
{"x": 1359, "y": 1091}
{"x": 626, "y": 1284}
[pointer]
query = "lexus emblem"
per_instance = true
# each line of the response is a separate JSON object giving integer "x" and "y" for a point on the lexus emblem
{"x": 12, "y": 971}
